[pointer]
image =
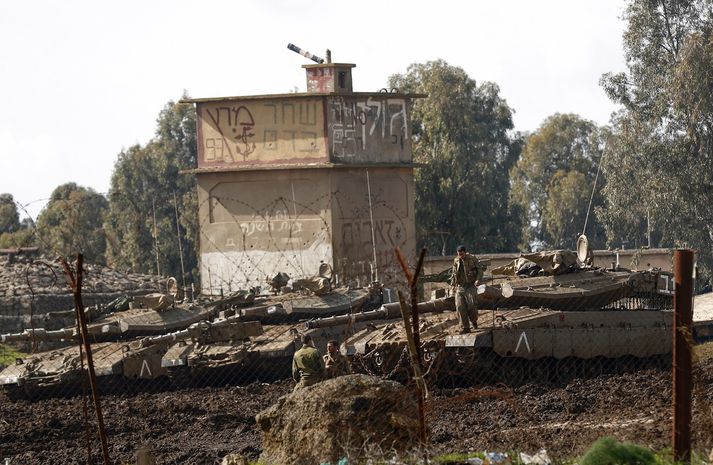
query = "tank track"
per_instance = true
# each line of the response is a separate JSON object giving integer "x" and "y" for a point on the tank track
{"x": 471, "y": 366}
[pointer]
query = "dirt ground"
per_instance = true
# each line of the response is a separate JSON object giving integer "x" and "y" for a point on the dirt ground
{"x": 202, "y": 425}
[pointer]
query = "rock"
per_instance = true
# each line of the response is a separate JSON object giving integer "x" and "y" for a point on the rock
{"x": 350, "y": 416}
{"x": 234, "y": 459}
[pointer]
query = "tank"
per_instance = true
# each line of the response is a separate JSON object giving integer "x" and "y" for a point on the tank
{"x": 546, "y": 316}
{"x": 132, "y": 343}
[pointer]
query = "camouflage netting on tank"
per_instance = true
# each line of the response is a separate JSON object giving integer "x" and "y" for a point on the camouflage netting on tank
{"x": 31, "y": 285}
{"x": 351, "y": 416}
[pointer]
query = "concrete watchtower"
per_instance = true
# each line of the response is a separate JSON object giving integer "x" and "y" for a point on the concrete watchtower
{"x": 288, "y": 181}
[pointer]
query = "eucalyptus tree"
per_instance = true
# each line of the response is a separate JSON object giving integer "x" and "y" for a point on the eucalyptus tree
{"x": 554, "y": 181}
{"x": 150, "y": 194}
{"x": 72, "y": 222}
{"x": 463, "y": 144}
{"x": 661, "y": 167}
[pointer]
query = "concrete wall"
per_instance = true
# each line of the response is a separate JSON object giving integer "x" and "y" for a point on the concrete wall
{"x": 369, "y": 128}
{"x": 304, "y": 129}
{"x": 255, "y": 224}
{"x": 233, "y": 133}
{"x": 636, "y": 259}
{"x": 392, "y": 199}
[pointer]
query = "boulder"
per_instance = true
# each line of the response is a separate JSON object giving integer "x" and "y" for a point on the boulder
{"x": 352, "y": 416}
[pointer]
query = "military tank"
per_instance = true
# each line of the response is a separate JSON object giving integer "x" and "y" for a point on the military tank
{"x": 130, "y": 343}
{"x": 548, "y": 317}
{"x": 552, "y": 317}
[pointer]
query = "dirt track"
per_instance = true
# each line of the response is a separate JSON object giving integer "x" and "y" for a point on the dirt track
{"x": 200, "y": 426}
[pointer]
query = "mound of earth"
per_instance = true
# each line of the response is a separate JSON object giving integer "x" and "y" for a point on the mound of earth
{"x": 350, "y": 416}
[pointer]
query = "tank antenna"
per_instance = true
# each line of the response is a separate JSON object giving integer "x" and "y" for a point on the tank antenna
{"x": 375, "y": 274}
{"x": 594, "y": 186}
{"x": 180, "y": 246}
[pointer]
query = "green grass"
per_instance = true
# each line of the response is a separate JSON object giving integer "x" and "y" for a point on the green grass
{"x": 448, "y": 458}
{"x": 609, "y": 451}
{"x": 8, "y": 355}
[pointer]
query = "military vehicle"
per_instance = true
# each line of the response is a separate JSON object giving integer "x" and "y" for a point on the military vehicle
{"x": 216, "y": 329}
{"x": 547, "y": 316}
{"x": 558, "y": 319}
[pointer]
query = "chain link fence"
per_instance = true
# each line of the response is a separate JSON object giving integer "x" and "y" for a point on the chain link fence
{"x": 558, "y": 356}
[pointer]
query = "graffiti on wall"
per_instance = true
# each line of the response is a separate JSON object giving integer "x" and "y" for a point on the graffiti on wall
{"x": 373, "y": 125}
{"x": 260, "y": 132}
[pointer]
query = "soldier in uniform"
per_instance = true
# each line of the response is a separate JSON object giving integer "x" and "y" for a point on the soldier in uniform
{"x": 466, "y": 274}
{"x": 335, "y": 363}
{"x": 307, "y": 364}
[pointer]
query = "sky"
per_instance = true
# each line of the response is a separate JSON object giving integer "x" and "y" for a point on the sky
{"x": 82, "y": 80}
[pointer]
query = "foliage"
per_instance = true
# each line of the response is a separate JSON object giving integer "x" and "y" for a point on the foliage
{"x": 147, "y": 179}
{"x": 609, "y": 451}
{"x": 71, "y": 223}
{"x": 14, "y": 233}
{"x": 9, "y": 217}
{"x": 661, "y": 165}
{"x": 553, "y": 179}
{"x": 9, "y": 354}
{"x": 25, "y": 237}
{"x": 462, "y": 142}
{"x": 455, "y": 457}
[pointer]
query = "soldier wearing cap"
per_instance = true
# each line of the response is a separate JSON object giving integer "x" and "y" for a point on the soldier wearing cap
{"x": 335, "y": 363}
{"x": 465, "y": 276}
{"x": 307, "y": 364}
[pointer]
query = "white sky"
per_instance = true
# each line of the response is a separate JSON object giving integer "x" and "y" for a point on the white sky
{"x": 80, "y": 80}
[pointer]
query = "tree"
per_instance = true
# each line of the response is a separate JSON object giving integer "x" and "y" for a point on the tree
{"x": 461, "y": 139}
{"x": 553, "y": 179}
{"x": 148, "y": 179}
{"x": 72, "y": 222}
{"x": 661, "y": 167}
{"x": 9, "y": 217}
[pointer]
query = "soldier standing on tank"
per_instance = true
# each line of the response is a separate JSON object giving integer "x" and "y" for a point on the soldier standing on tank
{"x": 307, "y": 364}
{"x": 335, "y": 363}
{"x": 465, "y": 276}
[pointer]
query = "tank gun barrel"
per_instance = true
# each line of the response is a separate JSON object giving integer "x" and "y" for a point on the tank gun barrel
{"x": 488, "y": 293}
{"x": 221, "y": 330}
{"x": 305, "y": 53}
{"x": 385, "y": 312}
{"x": 39, "y": 334}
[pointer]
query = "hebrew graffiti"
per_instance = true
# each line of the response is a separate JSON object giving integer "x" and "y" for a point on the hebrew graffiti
{"x": 238, "y": 124}
{"x": 357, "y": 124}
{"x": 257, "y": 132}
{"x": 251, "y": 235}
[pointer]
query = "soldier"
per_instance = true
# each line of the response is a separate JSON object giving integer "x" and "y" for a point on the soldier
{"x": 335, "y": 363}
{"x": 466, "y": 274}
{"x": 307, "y": 365}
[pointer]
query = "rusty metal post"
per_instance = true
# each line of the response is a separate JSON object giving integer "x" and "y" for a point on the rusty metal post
{"x": 682, "y": 341}
{"x": 76, "y": 285}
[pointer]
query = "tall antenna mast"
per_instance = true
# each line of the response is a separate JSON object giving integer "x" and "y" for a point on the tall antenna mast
{"x": 155, "y": 235}
{"x": 180, "y": 247}
{"x": 371, "y": 216}
{"x": 594, "y": 187}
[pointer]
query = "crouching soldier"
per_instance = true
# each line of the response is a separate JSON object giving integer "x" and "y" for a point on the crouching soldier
{"x": 335, "y": 363}
{"x": 307, "y": 364}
